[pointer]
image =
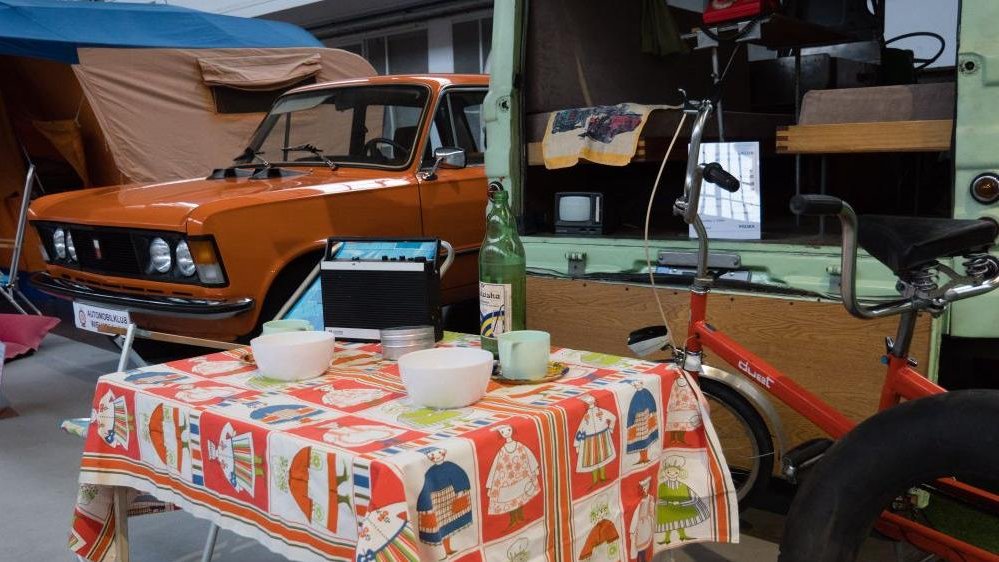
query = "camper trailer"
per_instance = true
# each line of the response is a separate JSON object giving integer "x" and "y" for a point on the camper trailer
{"x": 75, "y": 103}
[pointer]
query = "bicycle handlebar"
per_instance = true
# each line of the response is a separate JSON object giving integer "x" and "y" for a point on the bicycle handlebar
{"x": 714, "y": 173}
{"x": 816, "y": 205}
{"x": 687, "y": 205}
{"x": 828, "y": 205}
{"x": 692, "y": 181}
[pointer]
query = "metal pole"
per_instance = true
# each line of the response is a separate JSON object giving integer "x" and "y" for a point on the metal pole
{"x": 716, "y": 73}
{"x": 213, "y": 535}
{"x": 11, "y": 297}
{"x": 304, "y": 286}
{"x": 903, "y": 337}
{"x": 126, "y": 347}
{"x": 797, "y": 115}
{"x": 22, "y": 219}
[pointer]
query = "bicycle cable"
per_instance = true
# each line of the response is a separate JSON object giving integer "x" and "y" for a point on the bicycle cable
{"x": 648, "y": 220}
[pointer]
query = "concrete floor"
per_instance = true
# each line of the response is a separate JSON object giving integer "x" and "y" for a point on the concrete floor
{"x": 38, "y": 474}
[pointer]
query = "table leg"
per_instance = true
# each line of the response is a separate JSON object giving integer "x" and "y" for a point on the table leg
{"x": 213, "y": 534}
{"x": 121, "y": 523}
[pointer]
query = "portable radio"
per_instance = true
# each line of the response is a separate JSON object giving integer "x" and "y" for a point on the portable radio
{"x": 369, "y": 284}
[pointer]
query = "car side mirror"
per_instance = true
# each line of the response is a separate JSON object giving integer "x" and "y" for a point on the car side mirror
{"x": 448, "y": 158}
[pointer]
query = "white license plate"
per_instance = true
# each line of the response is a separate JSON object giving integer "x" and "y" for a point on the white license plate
{"x": 100, "y": 319}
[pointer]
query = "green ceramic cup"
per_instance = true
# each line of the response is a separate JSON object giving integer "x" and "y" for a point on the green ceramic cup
{"x": 276, "y": 326}
{"x": 524, "y": 354}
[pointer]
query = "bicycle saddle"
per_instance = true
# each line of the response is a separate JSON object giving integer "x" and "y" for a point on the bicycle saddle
{"x": 904, "y": 243}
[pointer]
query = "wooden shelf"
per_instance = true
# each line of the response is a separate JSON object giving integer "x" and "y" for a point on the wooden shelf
{"x": 883, "y": 136}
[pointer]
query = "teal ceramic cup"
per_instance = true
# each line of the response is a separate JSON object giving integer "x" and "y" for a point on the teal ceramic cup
{"x": 277, "y": 326}
{"x": 524, "y": 354}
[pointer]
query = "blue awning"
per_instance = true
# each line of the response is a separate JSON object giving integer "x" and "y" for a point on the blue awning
{"x": 54, "y": 29}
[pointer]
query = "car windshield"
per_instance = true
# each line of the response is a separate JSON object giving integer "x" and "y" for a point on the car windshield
{"x": 374, "y": 126}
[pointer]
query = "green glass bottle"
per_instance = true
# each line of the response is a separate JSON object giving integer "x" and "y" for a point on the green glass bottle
{"x": 502, "y": 274}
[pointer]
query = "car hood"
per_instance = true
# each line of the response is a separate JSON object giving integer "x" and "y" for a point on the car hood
{"x": 170, "y": 205}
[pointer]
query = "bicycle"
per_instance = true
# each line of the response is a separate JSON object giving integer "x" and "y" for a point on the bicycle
{"x": 910, "y": 247}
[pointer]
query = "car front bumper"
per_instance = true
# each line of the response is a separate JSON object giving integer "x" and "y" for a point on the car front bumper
{"x": 190, "y": 307}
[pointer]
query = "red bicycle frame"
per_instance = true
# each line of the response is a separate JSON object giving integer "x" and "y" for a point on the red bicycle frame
{"x": 901, "y": 382}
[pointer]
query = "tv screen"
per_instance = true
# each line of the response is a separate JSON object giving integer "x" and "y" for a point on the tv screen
{"x": 574, "y": 208}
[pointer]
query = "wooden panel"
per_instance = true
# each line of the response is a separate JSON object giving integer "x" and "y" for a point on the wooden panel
{"x": 885, "y": 136}
{"x": 818, "y": 344}
{"x": 535, "y": 155}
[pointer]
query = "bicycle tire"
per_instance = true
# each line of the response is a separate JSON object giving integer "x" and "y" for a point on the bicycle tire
{"x": 949, "y": 434}
{"x": 753, "y": 481}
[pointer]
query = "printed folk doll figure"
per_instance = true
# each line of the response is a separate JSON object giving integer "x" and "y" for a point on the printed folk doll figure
{"x": 208, "y": 367}
{"x": 643, "y": 422}
{"x": 594, "y": 440}
{"x": 359, "y": 435}
{"x": 519, "y": 551}
{"x": 194, "y": 394}
{"x": 112, "y": 420}
{"x": 445, "y": 503}
{"x": 513, "y": 478}
{"x": 385, "y": 534}
{"x": 603, "y": 541}
{"x": 234, "y": 453}
{"x": 683, "y": 413}
{"x": 678, "y": 507}
{"x": 643, "y": 523}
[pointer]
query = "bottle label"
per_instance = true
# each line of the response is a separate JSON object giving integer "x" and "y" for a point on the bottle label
{"x": 495, "y": 299}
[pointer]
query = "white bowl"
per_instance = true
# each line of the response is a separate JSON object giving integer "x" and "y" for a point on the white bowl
{"x": 446, "y": 377}
{"x": 293, "y": 356}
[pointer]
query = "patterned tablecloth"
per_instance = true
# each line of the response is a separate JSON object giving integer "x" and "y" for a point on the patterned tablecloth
{"x": 611, "y": 462}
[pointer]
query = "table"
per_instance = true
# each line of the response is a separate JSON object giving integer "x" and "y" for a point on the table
{"x": 611, "y": 462}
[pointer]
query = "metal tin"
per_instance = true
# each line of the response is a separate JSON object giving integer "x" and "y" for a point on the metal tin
{"x": 396, "y": 342}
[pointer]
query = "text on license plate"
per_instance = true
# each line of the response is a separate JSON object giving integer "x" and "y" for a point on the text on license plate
{"x": 100, "y": 319}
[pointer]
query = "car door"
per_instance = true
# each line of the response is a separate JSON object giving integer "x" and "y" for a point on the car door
{"x": 454, "y": 203}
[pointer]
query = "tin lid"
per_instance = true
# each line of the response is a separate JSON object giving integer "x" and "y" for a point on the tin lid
{"x": 407, "y": 335}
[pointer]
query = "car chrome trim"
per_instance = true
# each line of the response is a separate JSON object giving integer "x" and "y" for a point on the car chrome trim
{"x": 146, "y": 304}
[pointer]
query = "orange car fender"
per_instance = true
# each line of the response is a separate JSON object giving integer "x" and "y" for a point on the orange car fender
{"x": 258, "y": 240}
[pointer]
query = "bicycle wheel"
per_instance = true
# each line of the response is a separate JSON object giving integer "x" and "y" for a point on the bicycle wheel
{"x": 948, "y": 435}
{"x": 745, "y": 439}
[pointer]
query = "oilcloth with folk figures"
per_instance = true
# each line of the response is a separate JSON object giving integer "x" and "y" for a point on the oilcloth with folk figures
{"x": 615, "y": 461}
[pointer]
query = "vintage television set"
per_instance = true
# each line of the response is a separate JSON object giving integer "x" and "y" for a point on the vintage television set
{"x": 580, "y": 213}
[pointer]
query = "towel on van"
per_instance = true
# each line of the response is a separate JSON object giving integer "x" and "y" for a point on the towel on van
{"x": 606, "y": 134}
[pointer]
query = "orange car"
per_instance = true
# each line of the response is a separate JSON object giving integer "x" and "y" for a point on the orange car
{"x": 214, "y": 257}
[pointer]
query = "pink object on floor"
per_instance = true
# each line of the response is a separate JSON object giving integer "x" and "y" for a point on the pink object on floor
{"x": 24, "y": 332}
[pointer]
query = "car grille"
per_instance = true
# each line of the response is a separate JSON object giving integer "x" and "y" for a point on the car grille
{"x": 117, "y": 252}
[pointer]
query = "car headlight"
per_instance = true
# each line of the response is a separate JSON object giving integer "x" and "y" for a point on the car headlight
{"x": 59, "y": 243}
{"x": 159, "y": 255}
{"x": 185, "y": 261}
{"x": 70, "y": 248}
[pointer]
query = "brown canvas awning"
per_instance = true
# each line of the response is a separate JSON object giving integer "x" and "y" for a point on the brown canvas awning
{"x": 266, "y": 72}
{"x": 66, "y": 137}
{"x": 157, "y": 111}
